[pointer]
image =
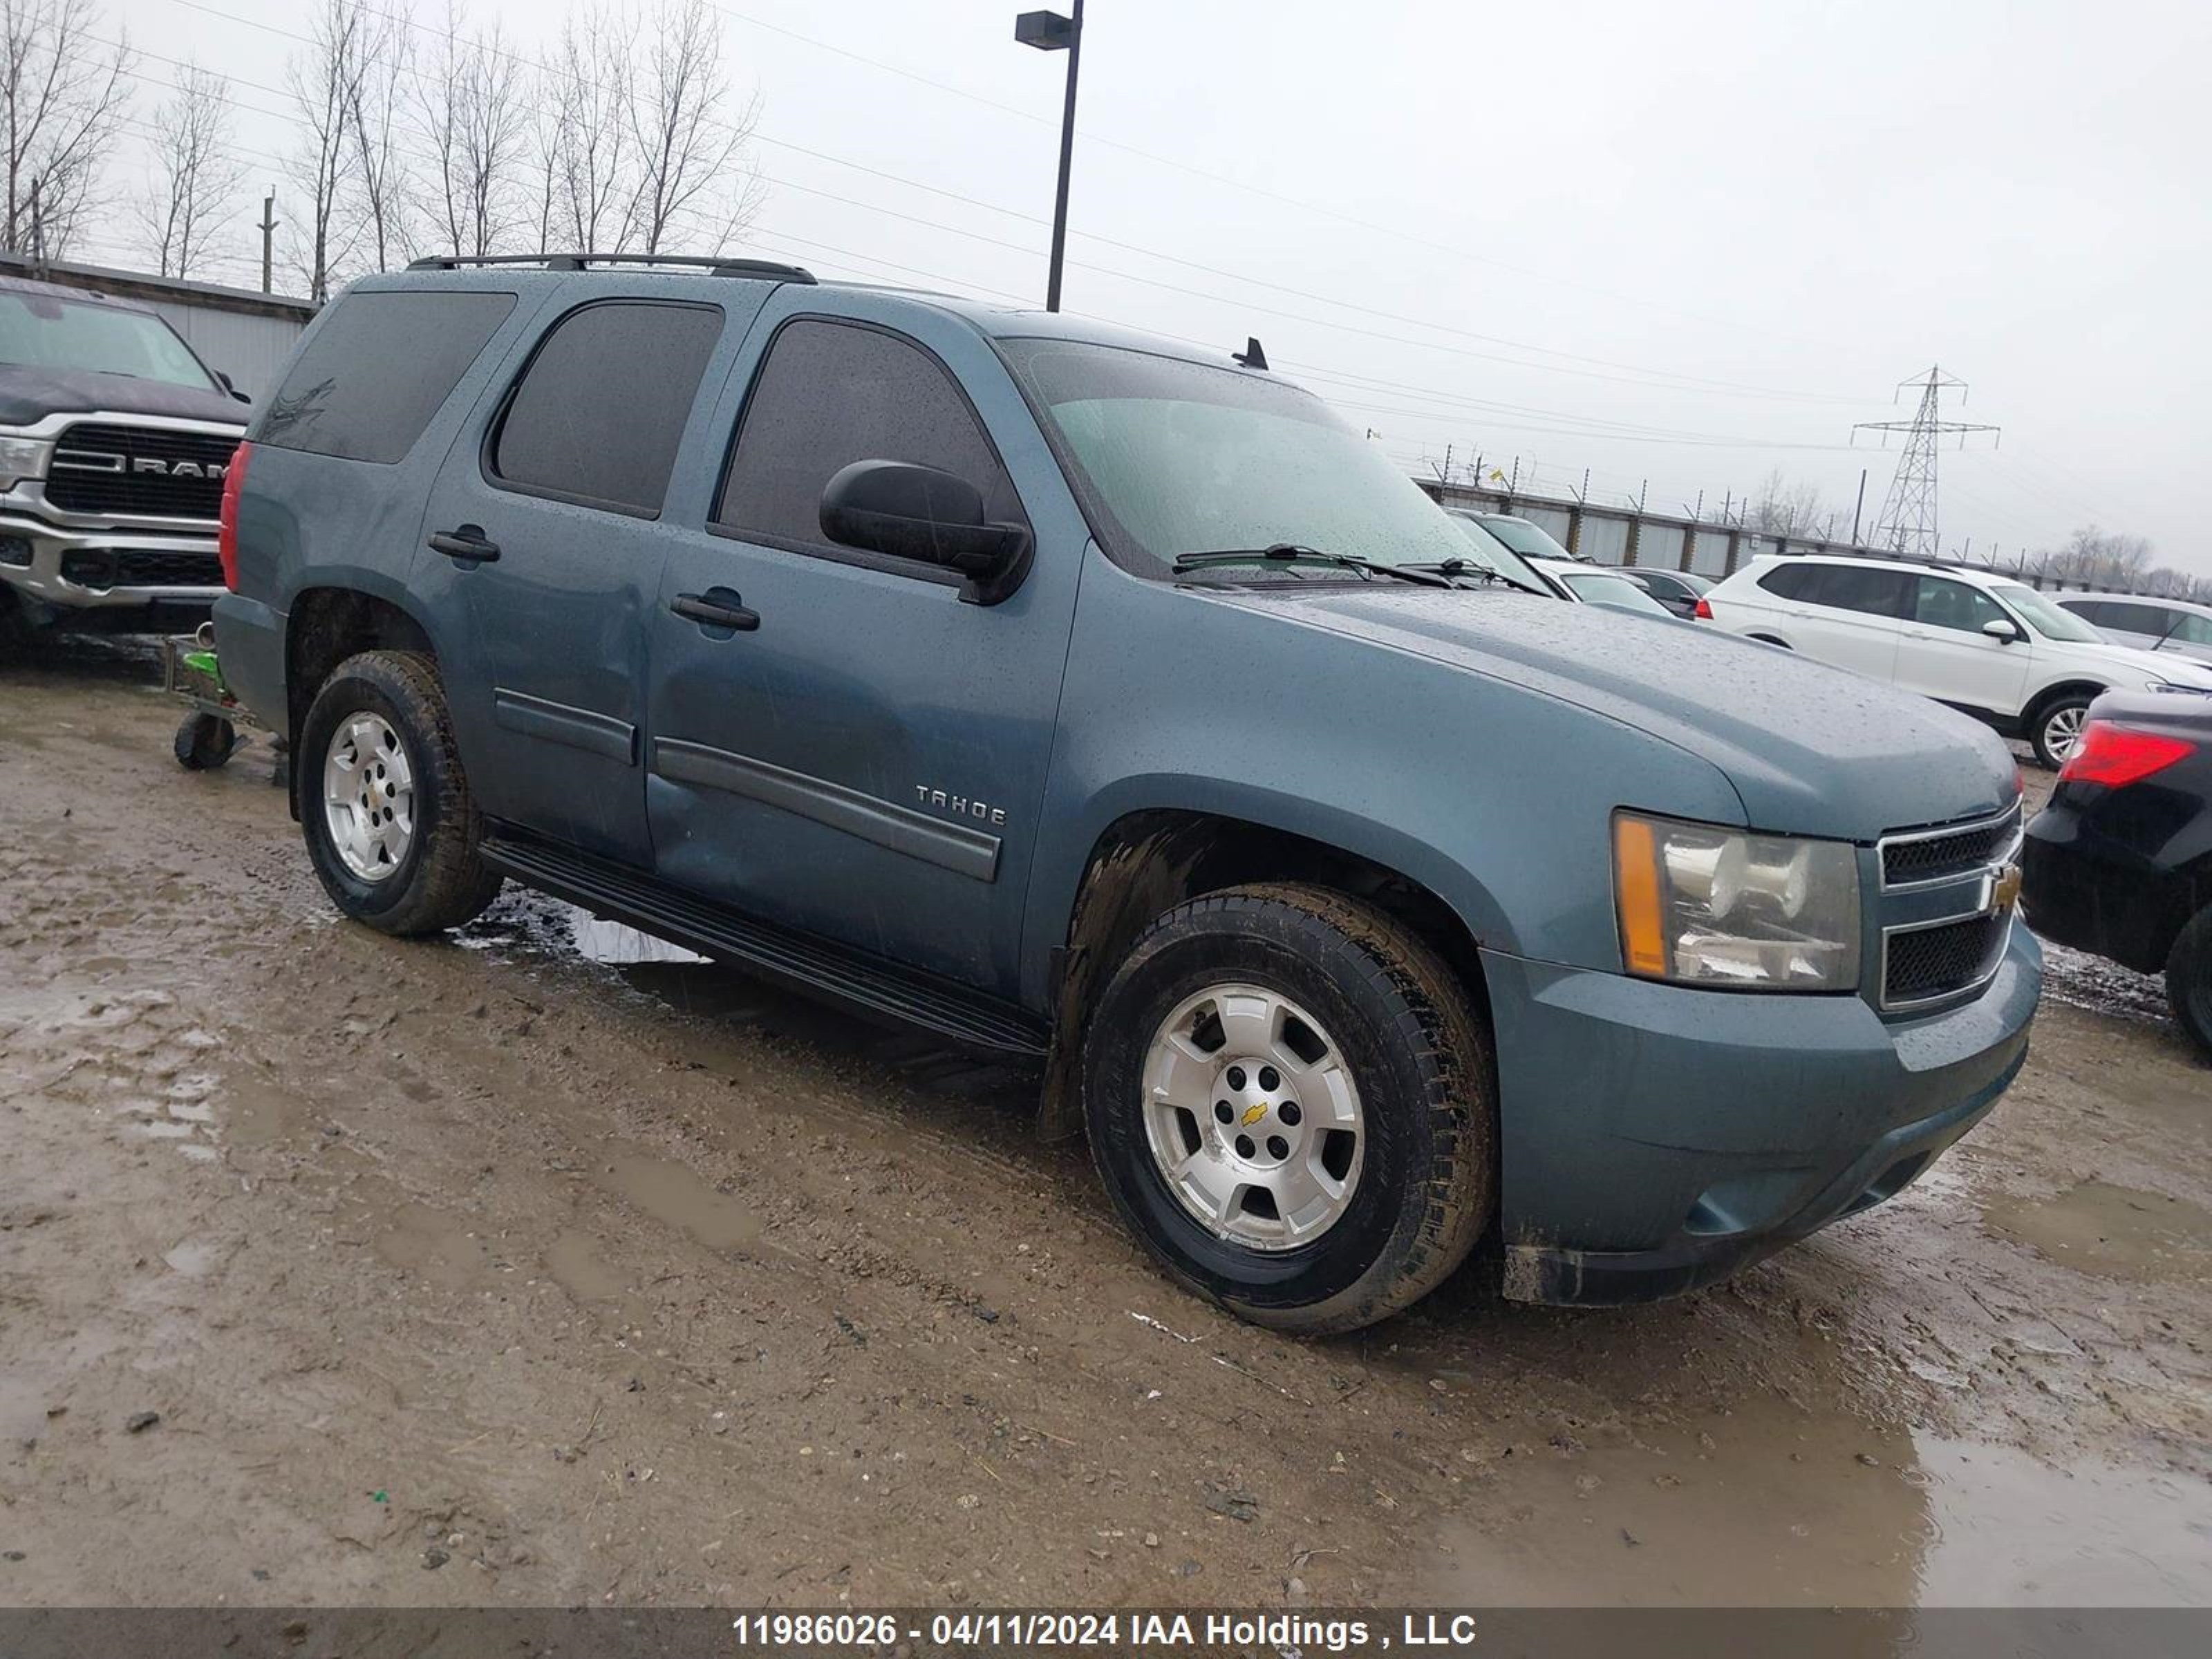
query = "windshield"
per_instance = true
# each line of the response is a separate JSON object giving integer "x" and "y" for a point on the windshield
{"x": 1184, "y": 458}
{"x": 41, "y": 331}
{"x": 1602, "y": 587}
{"x": 2046, "y": 619}
{"x": 1524, "y": 537}
{"x": 1495, "y": 554}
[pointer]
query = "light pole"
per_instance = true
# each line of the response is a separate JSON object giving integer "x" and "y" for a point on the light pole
{"x": 1048, "y": 31}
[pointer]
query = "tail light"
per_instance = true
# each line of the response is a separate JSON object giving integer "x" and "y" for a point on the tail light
{"x": 2117, "y": 756}
{"x": 1704, "y": 611}
{"x": 226, "y": 535}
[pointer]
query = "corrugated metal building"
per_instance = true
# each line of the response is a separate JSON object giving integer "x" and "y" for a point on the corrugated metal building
{"x": 246, "y": 335}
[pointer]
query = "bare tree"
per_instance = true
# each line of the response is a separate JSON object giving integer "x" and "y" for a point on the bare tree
{"x": 325, "y": 81}
{"x": 691, "y": 137}
{"x": 376, "y": 161}
{"x": 64, "y": 99}
{"x": 470, "y": 98}
{"x": 1781, "y": 508}
{"x": 192, "y": 186}
{"x": 598, "y": 184}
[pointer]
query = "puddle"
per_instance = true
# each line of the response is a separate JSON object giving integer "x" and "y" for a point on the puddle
{"x": 1769, "y": 1507}
{"x": 190, "y": 1258}
{"x": 2118, "y": 1231}
{"x": 414, "y": 1237}
{"x": 670, "y": 1193}
{"x": 257, "y": 1111}
{"x": 574, "y": 1264}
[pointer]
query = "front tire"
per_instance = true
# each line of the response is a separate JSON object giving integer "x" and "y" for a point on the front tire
{"x": 384, "y": 801}
{"x": 2189, "y": 981}
{"x": 1292, "y": 1101}
{"x": 2057, "y": 728}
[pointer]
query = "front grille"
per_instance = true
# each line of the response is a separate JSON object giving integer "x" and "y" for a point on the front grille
{"x": 1926, "y": 962}
{"x": 1934, "y": 854}
{"x": 104, "y": 567}
{"x": 138, "y": 567}
{"x": 139, "y": 472}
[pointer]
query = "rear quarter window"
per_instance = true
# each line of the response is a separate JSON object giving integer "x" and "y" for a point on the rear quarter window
{"x": 598, "y": 414}
{"x": 376, "y": 371}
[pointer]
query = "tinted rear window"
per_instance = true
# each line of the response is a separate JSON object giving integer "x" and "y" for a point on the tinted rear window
{"x": 1867, "y": 588}
{"x": 378, "y": 369}
{"x": 602, "y": 405}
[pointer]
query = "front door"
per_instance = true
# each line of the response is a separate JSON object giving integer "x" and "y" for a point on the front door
{"x": 544, "y": 536}
{"x": 840, "y": 743}
{"x": 1945, "y": 655}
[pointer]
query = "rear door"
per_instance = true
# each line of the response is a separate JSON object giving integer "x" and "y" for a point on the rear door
{"x": 865, "y": 759}
{"x": 546, "y": 537}
{"x": 1944, "y": 653}
{"x": 1849, "y": 615}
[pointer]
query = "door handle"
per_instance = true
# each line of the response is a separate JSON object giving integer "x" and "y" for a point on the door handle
{"x": 466, "y": 543}
{"x": 717, "y": 607}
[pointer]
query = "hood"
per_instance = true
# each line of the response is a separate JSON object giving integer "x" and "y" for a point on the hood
{"x": 2134, "y": 669}
{"x": 1811, "y": 749}
{"x": 29, "y": 392}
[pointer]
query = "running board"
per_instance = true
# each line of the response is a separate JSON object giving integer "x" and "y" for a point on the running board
{"x": 801, "y": 961}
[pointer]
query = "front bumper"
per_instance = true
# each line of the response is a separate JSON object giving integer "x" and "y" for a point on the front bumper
{"x": 1655, "y": 1138}
{"x": 72, "y": 569}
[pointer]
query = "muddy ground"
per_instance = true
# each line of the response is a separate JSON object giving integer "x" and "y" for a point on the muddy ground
{"x": 545, "y": 1267}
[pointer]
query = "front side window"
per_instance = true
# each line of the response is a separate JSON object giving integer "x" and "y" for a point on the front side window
{"x": 377, "y": 368}
{"x": 831, "y": 393}
{"x": 2046, "y": 619}
{"x": 1940, "y": 604}
{"x": 601, "y": 408}
{"x": 1174, "y": 457}
{"x": 43, "y": 330}
{"x": 1530, "y": 541}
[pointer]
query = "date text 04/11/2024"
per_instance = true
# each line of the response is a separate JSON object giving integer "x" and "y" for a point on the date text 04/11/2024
{"x": 1125, "y": 1631}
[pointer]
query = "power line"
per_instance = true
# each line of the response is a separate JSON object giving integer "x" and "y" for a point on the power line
{"x": 1908, "y": 521}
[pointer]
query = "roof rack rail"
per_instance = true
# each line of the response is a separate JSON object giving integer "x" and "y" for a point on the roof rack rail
{"x": 713, "y": 266}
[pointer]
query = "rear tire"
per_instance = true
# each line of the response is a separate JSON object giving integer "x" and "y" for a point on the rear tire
{"x": 2189, "y": 981}
{"x": 2057, "y": 728}
{"x": 384, "y": 801}
{"x": 1364, "y": 1019}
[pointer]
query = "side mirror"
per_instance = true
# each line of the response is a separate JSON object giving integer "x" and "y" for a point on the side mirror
{"x": 2002, "y": 629}
{"x": 922, "y": 513}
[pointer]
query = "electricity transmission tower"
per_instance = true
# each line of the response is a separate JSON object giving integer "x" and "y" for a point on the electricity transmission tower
{"x": 1908, "y": 515}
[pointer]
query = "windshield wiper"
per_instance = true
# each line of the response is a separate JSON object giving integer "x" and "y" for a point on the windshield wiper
{"x": 1455, "y": 566}
{"x": 1291, "y": 553}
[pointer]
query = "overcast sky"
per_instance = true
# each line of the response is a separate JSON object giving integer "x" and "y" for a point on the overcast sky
{"x": 1681, "y": 243}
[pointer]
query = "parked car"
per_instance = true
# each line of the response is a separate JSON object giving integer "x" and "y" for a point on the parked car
{"x": 1597, "y": 584}
{"x": 1983, "y": 642}
{"x": 114, "y": 439}
{"x": 2176, "y": 625}
{"x": 1678, "y": 590}
{"x": 2119, "y": 864}
{"x": 1075, "y": 695}
{"x": 1524, "y": 536}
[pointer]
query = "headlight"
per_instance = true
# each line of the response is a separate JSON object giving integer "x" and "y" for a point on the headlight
{"x": 23, "y": 458}
{"x": 1707, "y": 906}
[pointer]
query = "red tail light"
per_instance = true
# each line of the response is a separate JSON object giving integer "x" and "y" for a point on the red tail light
{"x": 226, "y": 536}
{"x": 1704, "y": 611}
{"x": 2117, "y": 756}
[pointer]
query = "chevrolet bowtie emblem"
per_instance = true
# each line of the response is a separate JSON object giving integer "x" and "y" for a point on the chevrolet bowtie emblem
{"x": 2008, "y": 891}
{"x": 1253, "y": 1114}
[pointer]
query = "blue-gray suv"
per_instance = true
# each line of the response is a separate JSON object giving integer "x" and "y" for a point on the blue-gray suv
{"x": 1075, "y": 694}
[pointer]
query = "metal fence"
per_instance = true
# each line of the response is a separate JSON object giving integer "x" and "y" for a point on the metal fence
{"x": 1622, "y": 535}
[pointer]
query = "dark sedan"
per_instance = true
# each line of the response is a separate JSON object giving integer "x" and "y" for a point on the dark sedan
{"x": 2120, "y": 863}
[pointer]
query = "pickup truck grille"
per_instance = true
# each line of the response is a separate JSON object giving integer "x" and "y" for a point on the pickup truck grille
{"x": 1933, "y": 855}
{"x": 137, "y": 471}
{"x": 1921, "y": 963}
